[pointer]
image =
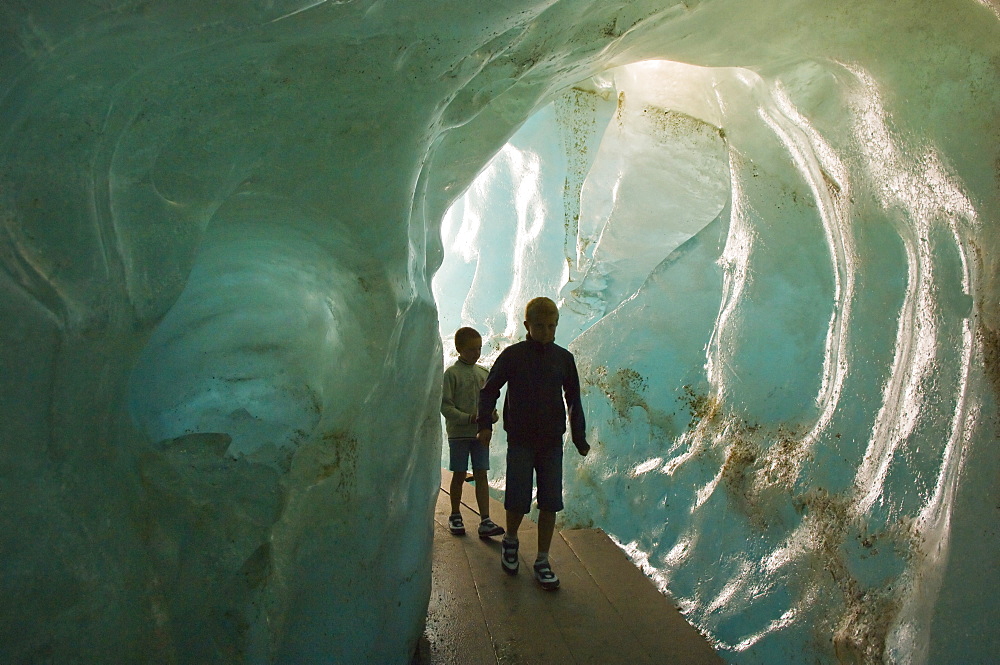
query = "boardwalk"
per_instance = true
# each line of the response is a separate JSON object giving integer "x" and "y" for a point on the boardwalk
{"x": 606, "y": 610}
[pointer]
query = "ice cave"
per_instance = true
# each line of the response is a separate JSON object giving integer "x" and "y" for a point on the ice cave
{"x": 236, "y": 233}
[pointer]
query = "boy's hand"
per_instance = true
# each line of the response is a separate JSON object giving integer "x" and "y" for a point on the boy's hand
{"x": 583, "y": 448}
{"x": 484, "y": 436}
{"x": 496, "y": 416}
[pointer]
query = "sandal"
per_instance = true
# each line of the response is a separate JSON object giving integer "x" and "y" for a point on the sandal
{"x": 545, "y": 576}
{"x": 456, "y": 525}
{"x": 508, "y": 556}
{"x": 488, "y": 528}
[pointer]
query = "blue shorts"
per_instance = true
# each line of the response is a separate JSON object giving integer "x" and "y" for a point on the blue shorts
{"x": 462, "y": 449}
{"x": 546, "y": 463}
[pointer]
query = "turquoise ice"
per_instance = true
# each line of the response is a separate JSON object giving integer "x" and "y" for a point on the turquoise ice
{"x": 234, "y": 235}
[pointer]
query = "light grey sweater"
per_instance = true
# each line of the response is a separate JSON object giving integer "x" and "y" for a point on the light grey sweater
{"x": 460, "y": 398}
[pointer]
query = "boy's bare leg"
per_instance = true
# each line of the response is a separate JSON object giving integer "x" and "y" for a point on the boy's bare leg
{"x": 513, "y": 523}
{"x": 546, "y": 526}
{"x": 543, "y": 571}
{"x": 482, "y": 493}
{"x": 457, "y": 481}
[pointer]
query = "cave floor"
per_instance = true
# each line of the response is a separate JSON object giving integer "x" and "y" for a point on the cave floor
{"x": 605, "y": 611}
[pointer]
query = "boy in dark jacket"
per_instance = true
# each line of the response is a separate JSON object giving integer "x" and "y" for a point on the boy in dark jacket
{"x": 538, "y": 374}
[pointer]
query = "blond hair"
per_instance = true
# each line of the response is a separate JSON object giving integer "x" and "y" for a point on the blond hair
{"x": 539, "y": 306}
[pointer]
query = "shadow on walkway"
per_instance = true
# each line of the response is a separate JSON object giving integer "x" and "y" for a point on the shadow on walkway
{"x": 605, "y": 611}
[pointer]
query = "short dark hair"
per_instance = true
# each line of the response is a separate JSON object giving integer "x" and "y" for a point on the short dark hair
{"x": 463, "y": 335}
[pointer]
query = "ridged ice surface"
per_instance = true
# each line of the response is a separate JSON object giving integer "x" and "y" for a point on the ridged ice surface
{"x": 783, "y": 385}
{"x": 221, "y": 352}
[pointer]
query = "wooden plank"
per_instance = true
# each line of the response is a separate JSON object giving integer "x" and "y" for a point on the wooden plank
{"x": 521, "y": 630}
{"x": 578, "y": 616}
{"x": 655, "y": 623}
{"x": 596, "y": 632}
{"x": 521, "y": 626}
{"x": 456, "y": 630}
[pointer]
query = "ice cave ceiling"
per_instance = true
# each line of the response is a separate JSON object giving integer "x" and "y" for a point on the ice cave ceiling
{"x": 771, "y": 226}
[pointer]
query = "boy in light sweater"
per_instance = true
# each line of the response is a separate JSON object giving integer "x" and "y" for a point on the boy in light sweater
{"x": 459, "y": 406}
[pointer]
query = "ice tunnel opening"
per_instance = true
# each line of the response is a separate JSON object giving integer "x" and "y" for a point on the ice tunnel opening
{"x": 622, "y": 182}
{"x": 597, "y": 189}
{"x": 592, "y": 193}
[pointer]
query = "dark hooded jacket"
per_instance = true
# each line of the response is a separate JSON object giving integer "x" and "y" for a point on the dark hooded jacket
{"x": 537, "y": 377}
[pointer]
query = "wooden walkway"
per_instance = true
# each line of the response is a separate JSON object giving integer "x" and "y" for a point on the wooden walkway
{"x": 605, "y": 611}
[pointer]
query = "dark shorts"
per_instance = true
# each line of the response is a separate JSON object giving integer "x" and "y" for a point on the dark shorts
{"x": 545, "y": 462}
{"x": 462, "y": 449}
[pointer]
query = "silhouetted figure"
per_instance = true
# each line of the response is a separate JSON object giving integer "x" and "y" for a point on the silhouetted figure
{"x": 538, "y": 374}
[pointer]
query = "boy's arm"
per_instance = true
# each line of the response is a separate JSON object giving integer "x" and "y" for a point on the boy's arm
{"x": 490, "y": 393}
{"x": 574, "y": 407}
{"x": 450, "y": 412}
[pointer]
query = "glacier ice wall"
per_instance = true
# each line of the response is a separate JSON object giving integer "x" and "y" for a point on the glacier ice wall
{"x": 221, "y": 355}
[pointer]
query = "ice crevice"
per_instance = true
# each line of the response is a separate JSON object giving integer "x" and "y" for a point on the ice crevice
{"x": 236, "y": 241}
